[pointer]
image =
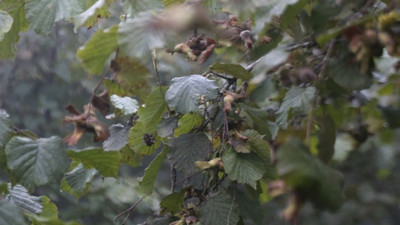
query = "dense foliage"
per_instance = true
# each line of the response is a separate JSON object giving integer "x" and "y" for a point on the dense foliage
{"x": 230, "y": 112}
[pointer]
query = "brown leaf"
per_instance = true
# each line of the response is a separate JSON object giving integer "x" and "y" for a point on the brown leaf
{"x": 85, "y": 122}
{"x": 101, "y": 102}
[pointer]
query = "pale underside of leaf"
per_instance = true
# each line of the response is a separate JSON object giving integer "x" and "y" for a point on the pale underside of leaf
{"x": 185, "y": 92}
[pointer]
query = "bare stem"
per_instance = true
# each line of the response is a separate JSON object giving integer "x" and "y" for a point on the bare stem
{"x": 228, "y": 221}
{"x": 321, "y": 77}
{"x": 128, "y": 211}
{"x": 173, "y": 178}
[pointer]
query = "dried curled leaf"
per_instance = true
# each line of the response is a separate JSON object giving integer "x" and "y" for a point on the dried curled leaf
{"x": 85, "y": 122}
{"x": 101, "y": 102}
{"x": 199, "y": 47}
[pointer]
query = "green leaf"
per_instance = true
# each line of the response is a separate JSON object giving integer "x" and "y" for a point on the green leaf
{"x": 187, "y": 149}
{"x": 154, "y": 109}
{"x": 271, "y": 60}
{"x": 249, "y": 207}
{"x": 49, "y": 209}
{"x": 291, "y": 13}
{"x": 259, "y": 146}
{"x": 326, "y": 138}
{"x": 219, "y": 209}
{"x": 127, "y": 156}
{"x": 77, "y": 181}
{"x": 107, "y": 163}
{"x": 17, "y": 12}
{"x": 184, "y": 93}
{"x": 134, "y": 7}
{"x": 20, "y": 197}
{"x": 5, "y": 135}
{"x": 89, "y": 17}
{"x": 212, "y": 6}
{"x": 118, "y": 137}
{"x": 132, "y": 76}
{"x": 138, "y": 36}
{"x": 311, "y": 178}
{"x": 297, "y": 100}
{"x": 272, "y": 8}
{"x": 234, "y": 70}
{"x": 256, "y": 119}
{"x": 169, "y": 3}
{"x": 11, "y": 214}
{"x": 5, "y": 128}
{"x": 125, "y": 105}
{"x": 146, "y": 183}
{"x": 6, "y": 22}
{"x": 167, "y": 126}
{"x": 136, "y": 139}
{"x": 173, "y": 202}
{"x": 95, "y": 53}
{"x": 36, "y": 162}
{"x": 346, "y": 73}
{"x": 149, "y": 117}
{"x": 244, "y": 168}
{"x": 42, "y": 14}
{"x": 187, "y": 123}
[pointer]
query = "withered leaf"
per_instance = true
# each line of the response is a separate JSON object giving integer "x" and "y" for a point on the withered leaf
{"x": 101, "y": 102}
{"x": 85, "y": 122}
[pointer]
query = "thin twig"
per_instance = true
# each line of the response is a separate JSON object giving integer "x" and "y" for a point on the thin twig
{"x": 129, "y": 210}
{"x": 155, "y": 64}
{"x": 301, "y": 45}
{"x": 321, "y": 77}
{"x": 99, "y": 82}
{"x": 173, "y": 178}
{"x": 228, "y": 221}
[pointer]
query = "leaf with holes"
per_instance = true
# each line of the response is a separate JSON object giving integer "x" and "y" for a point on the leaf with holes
{"x": 42, "y": 14}
{"x": 146, "y": 183}
{"x": 187, "y": 149}
{"x": 244, "y": 168}
{"x": 185, "y": 92}
{"x": 36, "y": 162}
{"x": 95, "y": 53}
{"x": 219, "y": 209}
{"x": 107, "y": 163}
